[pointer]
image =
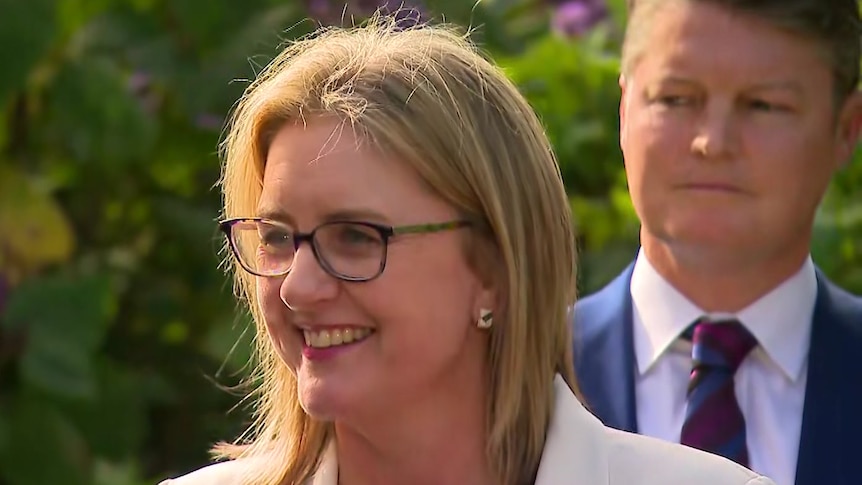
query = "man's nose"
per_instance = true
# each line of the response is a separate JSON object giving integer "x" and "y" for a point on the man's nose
{"x": 716, "y": 136}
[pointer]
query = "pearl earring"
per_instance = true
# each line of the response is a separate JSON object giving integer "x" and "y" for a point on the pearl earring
{"x": 486, "y": 319}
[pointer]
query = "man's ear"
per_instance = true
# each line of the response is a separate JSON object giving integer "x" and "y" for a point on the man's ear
{"x": 848, "y": 129}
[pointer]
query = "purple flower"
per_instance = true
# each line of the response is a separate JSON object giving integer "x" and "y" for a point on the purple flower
{"x": 208, "y": 121}
{"x": 319, "y": 8}
{"x": 139, "y": 81}
{"x": 406, "y": 15}
{"x": 574, "y": 18}
{"x": 331, "y": 12}
{"x": 141, "y": 86}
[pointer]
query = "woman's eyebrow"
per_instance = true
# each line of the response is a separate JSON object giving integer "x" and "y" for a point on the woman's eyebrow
{"x": 352, "y": 214}
{"x": 275, "y": 215}
{"x": 355, "y": 214}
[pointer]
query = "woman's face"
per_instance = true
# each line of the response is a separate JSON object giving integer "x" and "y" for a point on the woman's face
{"x": 405, "y": 335}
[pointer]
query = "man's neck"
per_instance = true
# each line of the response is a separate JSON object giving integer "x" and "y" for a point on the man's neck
{"x": 722, "y": 281}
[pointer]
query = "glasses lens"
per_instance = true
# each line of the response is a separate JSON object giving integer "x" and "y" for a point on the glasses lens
{"x": 351, "y": 250}
{"x": 263, "y": 248}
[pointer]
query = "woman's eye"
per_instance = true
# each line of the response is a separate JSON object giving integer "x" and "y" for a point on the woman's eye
{"x": 358, "y": 236}
{"x": 275, "y": 237}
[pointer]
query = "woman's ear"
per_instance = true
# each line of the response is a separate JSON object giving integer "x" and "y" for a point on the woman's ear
{"x": 486, "y": 319}
{"x": 490, "y": 270}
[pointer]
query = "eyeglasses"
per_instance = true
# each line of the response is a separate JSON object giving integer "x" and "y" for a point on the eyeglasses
{"x": 348, "y": 250}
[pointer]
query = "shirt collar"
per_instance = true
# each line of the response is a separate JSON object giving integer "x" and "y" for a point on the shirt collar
{"x": 780, "y": 320}
{"x": 660, "y": 312}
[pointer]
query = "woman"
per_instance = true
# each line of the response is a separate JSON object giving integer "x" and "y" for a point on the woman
{"x": 404, "y": 241}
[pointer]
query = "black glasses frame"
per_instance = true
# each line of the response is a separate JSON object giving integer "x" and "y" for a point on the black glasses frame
{"x": 386, "y": 234}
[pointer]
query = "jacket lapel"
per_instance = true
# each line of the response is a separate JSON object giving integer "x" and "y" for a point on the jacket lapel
{"x": 575, "y": 450}
{"x": 829, "y": 449}
{"x": 604, "y": 353}
{"x": 327, "y": 471}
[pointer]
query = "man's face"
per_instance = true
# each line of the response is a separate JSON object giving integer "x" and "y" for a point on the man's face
{"x": 730, "y": 132}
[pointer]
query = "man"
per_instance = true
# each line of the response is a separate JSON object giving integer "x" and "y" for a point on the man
{"x": 722, "y": 334}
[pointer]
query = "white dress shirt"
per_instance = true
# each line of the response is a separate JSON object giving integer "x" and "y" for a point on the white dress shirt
{"x": 770, "y": 382}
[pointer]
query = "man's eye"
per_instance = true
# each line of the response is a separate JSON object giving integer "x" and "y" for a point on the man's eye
{"x": 762, "y": 105}
{"x": 674, "y": 100}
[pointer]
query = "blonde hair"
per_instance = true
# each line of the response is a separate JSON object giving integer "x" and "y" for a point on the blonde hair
{"x": 429, "y": 98}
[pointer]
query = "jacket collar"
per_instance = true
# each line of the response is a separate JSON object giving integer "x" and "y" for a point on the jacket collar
{"x": 574, "y": 445}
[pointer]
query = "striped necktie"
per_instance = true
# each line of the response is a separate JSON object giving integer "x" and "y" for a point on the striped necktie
{"x": 713, "y": 420}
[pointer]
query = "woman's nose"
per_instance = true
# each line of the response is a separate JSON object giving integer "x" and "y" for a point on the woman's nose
{"x": 307, "y": 284}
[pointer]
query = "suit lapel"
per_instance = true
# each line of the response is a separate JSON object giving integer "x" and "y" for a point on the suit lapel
{"x": 829, "y": 450}
{"x": 604, "y": 353}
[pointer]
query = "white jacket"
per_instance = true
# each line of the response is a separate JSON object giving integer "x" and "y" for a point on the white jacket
{"x": 579, "y": 450}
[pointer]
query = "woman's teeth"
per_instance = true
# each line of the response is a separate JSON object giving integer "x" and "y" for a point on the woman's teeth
{"x": 329, "y": 338}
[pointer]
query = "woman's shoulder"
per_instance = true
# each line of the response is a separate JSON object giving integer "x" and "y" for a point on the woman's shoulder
{"x": 642, "y": 459}
{"x": 223, "y": 473}
{"x": 255, "y": 469}
{"x": 579, "y": 445}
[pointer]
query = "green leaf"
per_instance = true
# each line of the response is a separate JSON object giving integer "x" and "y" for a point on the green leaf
{"x": 96, "y": 116}
{"x": 47, "y": 448}
{"x": 572, "y": 86}
{"x": 57, "y": 366}
{"x": 211, "y": 87}
{"x": 230, "y": 342}
{"x": 74, "y": 14}
{"x": 65, "y": 320}
{"x": 4, "y": 432}
{"x": 74, "y": 309}
{"x": 114, "y": 424}
{"x": 601, "y": 265}
{"x": 34, "y": 231}
{"x": 27, "y": 29}
{"x": 193, "y": 225}
{"x": 118, "y": 473}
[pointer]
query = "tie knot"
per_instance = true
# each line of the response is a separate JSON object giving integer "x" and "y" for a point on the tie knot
{"x": 721, "y": 345}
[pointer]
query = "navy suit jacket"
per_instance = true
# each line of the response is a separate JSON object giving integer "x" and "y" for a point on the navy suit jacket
{"x": 830, "y": 448}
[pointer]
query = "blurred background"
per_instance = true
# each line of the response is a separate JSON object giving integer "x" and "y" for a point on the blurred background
{"x": 119, "y": 334}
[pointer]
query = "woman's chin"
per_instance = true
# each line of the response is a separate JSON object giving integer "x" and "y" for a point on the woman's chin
{"x": 322, "y": 402}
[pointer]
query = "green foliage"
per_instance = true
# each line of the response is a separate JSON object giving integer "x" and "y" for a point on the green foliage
{"x": 119, "y": 325}
{"x": 837, "y": 245}
{"x": 58, "y": 357}
{"x": 119, "y": 319}
{"x": 573, "y": 86}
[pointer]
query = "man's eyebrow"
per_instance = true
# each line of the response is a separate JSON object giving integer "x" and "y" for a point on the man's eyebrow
{"x": 792, "y": 86}
{"x": 678, "y": 79}
{"x": 674, "y": 80}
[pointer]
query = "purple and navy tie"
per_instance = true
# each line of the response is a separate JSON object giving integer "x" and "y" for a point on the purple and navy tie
{"x": 713, "y": 420}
